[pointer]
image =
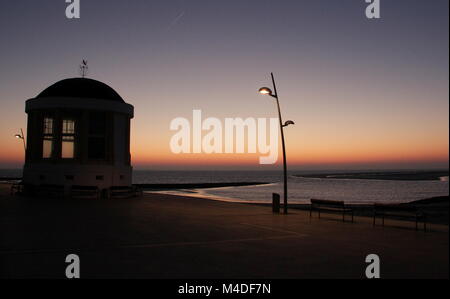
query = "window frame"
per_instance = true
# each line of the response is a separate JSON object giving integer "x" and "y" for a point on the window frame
{"x": 68, "y": 136}
{"x": 48, "y": 135}
{"x": 96, "y": 135}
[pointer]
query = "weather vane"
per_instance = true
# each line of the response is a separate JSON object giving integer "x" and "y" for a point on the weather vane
{"x": 83, "y": 68}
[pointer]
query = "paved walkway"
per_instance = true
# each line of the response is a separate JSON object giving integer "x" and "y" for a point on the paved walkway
{"x": 166, "y": 236}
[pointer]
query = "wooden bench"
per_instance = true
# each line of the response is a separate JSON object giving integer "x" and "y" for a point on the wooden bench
{"x": 399, "y": 211}
{"x": 17, "y": 188}
{"x": 124, "y": 191}
{"x": 330, "y": 206}
{"x": 77, "y": 191}
{"x": 50, "y": 190}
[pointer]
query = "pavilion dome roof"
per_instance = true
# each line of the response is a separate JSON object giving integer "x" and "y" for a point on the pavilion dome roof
{"x": 81, "y": 88}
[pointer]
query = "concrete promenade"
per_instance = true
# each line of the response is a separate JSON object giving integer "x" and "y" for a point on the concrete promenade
{"x": 166, "y": 236}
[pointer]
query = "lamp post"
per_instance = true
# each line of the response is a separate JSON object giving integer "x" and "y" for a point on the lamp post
{"x": 274, "y": 94}
{"x": 21, "y": 136}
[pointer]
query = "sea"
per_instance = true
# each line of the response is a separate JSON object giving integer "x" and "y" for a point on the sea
{"x": 300, "y": 188}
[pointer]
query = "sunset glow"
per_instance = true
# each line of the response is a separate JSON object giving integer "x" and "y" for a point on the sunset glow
{"x": 362, "y": 104}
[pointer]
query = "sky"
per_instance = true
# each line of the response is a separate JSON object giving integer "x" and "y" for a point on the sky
{"x": 364, "y": 94}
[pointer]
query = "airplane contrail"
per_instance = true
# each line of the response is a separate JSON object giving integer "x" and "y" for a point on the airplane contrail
{"x": 176, "y": 20}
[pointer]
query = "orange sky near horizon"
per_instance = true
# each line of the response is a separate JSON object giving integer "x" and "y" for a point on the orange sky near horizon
{"x": 400, "y": 136}
{"x": 377, "y": 139}
{"x": 306, "y": 151}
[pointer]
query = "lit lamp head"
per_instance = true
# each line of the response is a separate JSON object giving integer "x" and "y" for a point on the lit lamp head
{"x": 18, "y": 136}
{"x": 265, "y": 91}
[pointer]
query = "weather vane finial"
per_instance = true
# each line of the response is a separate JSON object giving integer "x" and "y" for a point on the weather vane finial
{"x": 83, "y": 68}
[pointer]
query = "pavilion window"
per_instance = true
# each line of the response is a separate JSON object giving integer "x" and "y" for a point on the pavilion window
{"x": 68, "y": 139}
{"x": 97, "y": 136}
{"x": 48, "y": 138}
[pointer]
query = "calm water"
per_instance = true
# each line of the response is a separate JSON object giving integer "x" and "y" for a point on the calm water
{"x": 300, "y": 189}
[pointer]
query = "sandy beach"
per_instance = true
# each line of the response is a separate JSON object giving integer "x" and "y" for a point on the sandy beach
{"x": 166, "y": 236}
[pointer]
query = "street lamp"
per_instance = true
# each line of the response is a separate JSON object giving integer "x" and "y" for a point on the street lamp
{"x": 274, "y": 94}
{"x": 21, "y": 136}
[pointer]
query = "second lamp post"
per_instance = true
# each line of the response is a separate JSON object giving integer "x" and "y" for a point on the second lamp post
{"x": 274, "y": 94}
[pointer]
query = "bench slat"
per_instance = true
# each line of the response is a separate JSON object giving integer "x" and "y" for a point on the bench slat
{"x": 331, "y": 206}
{"x": 327, "y": 202}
